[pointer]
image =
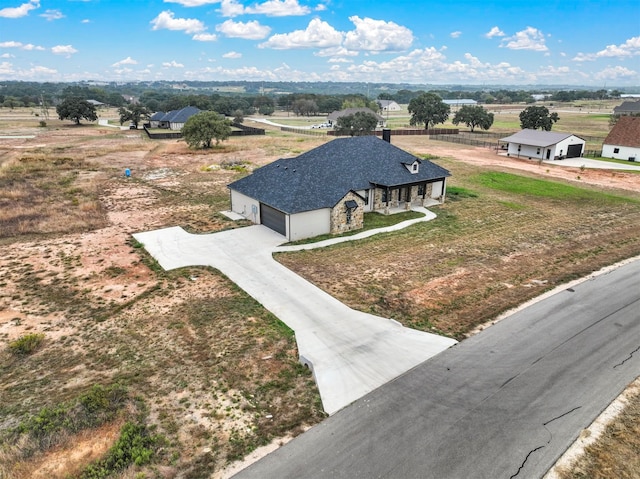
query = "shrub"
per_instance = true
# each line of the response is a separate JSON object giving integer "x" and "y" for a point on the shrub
{"x": 26, "y": 344}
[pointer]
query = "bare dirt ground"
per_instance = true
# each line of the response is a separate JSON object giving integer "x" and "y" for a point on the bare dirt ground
{"x": 217, "y": 373}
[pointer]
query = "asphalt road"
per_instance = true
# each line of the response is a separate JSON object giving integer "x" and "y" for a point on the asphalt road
{"x": 503, "y": 404}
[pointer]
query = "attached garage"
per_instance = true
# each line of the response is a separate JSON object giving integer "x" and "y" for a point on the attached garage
{"x": 273, "y": 218}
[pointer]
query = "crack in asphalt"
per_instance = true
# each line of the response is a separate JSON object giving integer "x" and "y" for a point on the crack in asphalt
{"x": 628, "y": 358}
{"x": 544, "y": 424}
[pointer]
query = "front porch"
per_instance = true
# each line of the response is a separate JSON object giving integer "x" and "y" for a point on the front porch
{"x": 402, "y": 206}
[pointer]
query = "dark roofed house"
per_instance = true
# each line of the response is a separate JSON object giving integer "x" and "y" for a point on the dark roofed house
{"x": 174, "y": 119}
{"x": 627, "y": 108}
{"x": 623, "y": 141}
{"x": 328, "y": 189}
{"x": 544, "y": 145}
{"x": 333, "y": 117}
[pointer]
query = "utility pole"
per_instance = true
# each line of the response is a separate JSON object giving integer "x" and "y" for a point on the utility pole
{"x": 44, "y": 110}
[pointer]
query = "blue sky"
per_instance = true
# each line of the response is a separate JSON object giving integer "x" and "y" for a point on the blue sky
{"x": 545, "y": 42}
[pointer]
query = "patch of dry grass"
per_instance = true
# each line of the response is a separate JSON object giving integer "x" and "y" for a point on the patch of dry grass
{"x": 616, "y": 454}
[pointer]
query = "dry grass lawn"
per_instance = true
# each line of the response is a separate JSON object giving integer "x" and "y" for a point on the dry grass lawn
{"x": 213, "y": 372}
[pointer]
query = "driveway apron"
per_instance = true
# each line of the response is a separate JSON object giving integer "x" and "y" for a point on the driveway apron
{"x": 350, "y": 352}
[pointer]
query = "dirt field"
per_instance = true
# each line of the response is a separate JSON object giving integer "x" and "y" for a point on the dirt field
{"x": 218, "y": 374}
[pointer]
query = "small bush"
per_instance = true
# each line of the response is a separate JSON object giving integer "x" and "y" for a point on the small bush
{"x": 135, "y": 446}
{"x": 43, "y": 123}
{"x": 27, "y": 344}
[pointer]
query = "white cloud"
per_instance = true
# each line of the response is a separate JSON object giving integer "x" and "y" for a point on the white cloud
{"x": 172, "y": 64}
{"x": 318, "y": 34}
{"x": 192, "y": 3}
{"x": 86, "y": 20}
{"x": 21, "y": 11}
{"x": 126, "y": 61}
{"x": 455, "y": 34}
{"x": 231, "y": 8}
{"x": 279, "y": 8}
{"x": 628, "y": 49}
{"x": 336, "y": 52}
{"x": 10, "y": 44}
{"x": 339, "y": 60}
{"x": 205, "y": 37}
{"x": 166, "y": 20}
{"x": 249, "y": 31}
{"x": 6, "y": 68}
{"x": 616, "y": 73}
{"x": 232, "y": 55}
{"x": 377, "y": 36}
{"x": 7, "y": 55}
{"x": 67, "y": 50}
{"x": 528, "y": 39}
{"x": 494, "y": 32}
{"x": 51, "y": 15}
{"x": 31, "y": 46}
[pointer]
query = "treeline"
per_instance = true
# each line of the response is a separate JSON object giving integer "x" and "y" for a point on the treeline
{"x": 250, "y": 98}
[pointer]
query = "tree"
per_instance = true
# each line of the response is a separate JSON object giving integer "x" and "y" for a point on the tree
{"x": 429, "y": 109}
{"x": 203, "y": 127}
{"x": 535, "y": 117}
{"x": 135, "y": 114}
{"x": 358, "y": 124}
{"x": 75, "y": 108}
{"x": 473, "y": 116}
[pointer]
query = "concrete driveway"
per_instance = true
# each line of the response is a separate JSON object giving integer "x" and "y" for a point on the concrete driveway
{"x": 351, "y": 353}
{"x": 589, "y": 163}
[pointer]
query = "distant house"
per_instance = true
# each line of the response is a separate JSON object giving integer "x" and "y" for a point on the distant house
{"x": 95, "y": 103}
{"x": 628, "y": 108}
{"x": 333, "y": 117}
{"x": 388, "y": 105}
{"x": 174, "y": 119}
{"x": 460, "y": 102}
{"x": 328, "y": 189}
{"x": 623, "y": 141}
{"x": 544, "y": 145}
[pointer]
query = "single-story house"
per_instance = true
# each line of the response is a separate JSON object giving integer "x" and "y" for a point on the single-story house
{"x": 628, "y": 108}
{"x": 544, "y": 145}
{"x": 328, "y": 189}
{"x": 333, "y": 117}
{"x": 388, "y": 105}
{"x": 95, "y": 103}
{"x": 623, "y": 141}
{"x": 460, "y": 102}
{"x": 174, "y": 119}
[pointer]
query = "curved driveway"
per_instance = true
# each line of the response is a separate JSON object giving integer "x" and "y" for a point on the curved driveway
{"x": 350, "y": 352}
{"x": 503, "y": 404}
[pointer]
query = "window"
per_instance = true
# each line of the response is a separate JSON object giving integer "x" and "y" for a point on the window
{"x": 538, "y": 152}
{"x": 616, "y": 150}
{"x": 421, "y": 190}
{"x": 384, "y": 198}
{"x": 415, "y": 167}
{"x": 348, "y": 216}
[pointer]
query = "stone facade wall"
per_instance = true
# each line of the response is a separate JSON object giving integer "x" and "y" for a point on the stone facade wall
{"x": 339, "y": 222}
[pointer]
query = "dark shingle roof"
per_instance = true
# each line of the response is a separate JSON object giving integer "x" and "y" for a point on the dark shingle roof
{"x": 321, "y": 177}
{"x": 629, "y": 107}
{"x": 180, "y": 116}
{"x": 626, "y": 132}
{"x": 157, "y": 116}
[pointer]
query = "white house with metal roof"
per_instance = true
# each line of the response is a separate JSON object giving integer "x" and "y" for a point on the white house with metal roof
{"x": 328, "y": 189}
{"x": 544, "y": 145}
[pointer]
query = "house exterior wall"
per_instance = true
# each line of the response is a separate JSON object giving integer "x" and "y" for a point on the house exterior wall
{"x": 339, "y": 221}
{"x": 246, "y": 206}
{"x": 176, "y": 126}
{"x": 370, "y": 195}
{"x": 308, "y": 224}
{"x": 540, "y": 152}
{"x": 624, "y": 152}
